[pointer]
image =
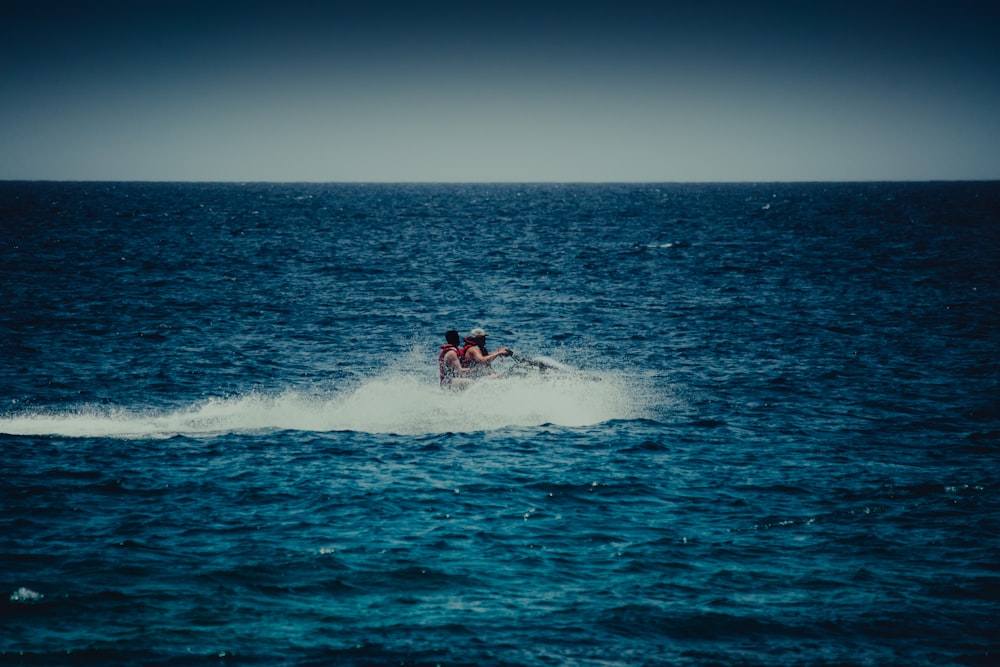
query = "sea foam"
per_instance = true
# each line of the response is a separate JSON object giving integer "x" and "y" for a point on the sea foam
{"x": 396, "y": 401}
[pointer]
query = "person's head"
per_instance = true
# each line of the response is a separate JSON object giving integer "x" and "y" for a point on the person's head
{"x": 478, "y": 335}
{"x": 452, "y": 337}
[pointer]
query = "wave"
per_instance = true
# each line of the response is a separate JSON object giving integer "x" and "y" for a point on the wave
{"x": 396, "y": 403}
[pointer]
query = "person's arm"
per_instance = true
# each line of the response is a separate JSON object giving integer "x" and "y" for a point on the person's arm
{"x": 452, "y": 361}
{"x": 478, "y": 356}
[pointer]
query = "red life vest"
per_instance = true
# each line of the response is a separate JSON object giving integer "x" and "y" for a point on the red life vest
{"x": 468, "y": 363}
{"x": 465, "y": 348}
{"x": 443, "y": 367}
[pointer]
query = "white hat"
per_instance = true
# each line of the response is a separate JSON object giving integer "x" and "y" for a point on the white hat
{"x": 477, "y": 332}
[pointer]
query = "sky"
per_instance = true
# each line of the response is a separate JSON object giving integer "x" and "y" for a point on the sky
{"x": 499, "y": 91}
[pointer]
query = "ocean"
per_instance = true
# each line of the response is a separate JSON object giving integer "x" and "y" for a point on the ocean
{"x": 772, "y": 438}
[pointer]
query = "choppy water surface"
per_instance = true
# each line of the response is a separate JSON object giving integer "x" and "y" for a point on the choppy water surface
{"x": 223, "y": 439}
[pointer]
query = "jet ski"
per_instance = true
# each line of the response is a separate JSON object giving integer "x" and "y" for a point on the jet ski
{"x": 540, "y": 365}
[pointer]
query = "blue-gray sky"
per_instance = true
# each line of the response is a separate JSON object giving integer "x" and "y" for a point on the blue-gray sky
{"x": 701, "y": 90}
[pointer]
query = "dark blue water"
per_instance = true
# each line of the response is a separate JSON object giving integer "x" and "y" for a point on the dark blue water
{"x": 223, "y": 441}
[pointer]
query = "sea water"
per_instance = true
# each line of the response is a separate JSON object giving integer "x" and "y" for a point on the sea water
{"x": 775, "y": 439}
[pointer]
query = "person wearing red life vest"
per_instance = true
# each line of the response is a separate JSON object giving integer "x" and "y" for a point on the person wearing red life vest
{"x": 476, "y": 357}
{"x": 454, "y": 374}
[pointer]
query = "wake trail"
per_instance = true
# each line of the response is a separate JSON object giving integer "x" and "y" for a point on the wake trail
{"x": 395, "y": 402}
